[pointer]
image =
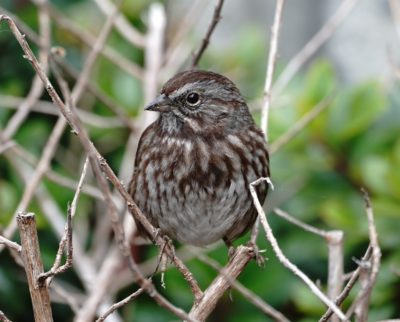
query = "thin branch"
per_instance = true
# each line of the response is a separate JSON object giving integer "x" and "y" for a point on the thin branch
{"x": 66, "y": 239}
{"x": 10, "y": 244}
{"x": 3, "y": 317}
{"x": 122, "y": 24}
{"x": 334, "y": 240}
{"x": 349, "y": 286}
{"x": 304, "y": 226}
{"x": 248, "y": 294}
{"x": 36, "y": 89}
{"x": 312, "y": 46}
{"x": 34, "y": 267}
{"x": 119, "y": 304}
{"x": 42, "y": 166}
{"x": 300, "y": 125}
{"x": 371, "y": 269}
{"x": 221, "y": 283}
{"x": 206, "y": 40}
{"x": 273, "y": 50}
{"x": 283, "y": 259}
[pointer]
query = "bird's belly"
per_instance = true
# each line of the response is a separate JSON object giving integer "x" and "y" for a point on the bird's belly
{"x": 198, "y": 215}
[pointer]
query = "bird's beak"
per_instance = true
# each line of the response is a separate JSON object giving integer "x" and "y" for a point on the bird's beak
{"x": 161, "y": 104}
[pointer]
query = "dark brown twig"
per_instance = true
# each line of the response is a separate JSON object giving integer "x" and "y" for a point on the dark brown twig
{"x": 206, "y": 40}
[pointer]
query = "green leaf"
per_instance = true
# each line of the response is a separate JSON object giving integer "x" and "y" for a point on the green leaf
{"x": 355, "y": 111}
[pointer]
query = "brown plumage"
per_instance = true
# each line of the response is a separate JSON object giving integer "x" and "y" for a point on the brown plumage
{"x": 194, "y": 164}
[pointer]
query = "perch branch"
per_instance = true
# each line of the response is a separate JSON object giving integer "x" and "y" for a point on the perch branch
{"x": 221, "y": 283}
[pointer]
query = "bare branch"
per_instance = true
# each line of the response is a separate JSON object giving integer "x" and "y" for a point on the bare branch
{"x": 66, "y": 239}
{"x": 119, "y": 304}
{"x": 273, "y": 50}
{"x": 3, "y": 317}
{"x": 248, "y": 294}
{"x": 369, "y": 269}
{"x": 122, "y": 24}
{"x": 221, "y": 283}
{"x": 283, "y": 259}
{"x": 34, "y": 267}
{"x": 206, "y": 40}
{"x": 10, "y": 244}
{"x": 346, "y": 291}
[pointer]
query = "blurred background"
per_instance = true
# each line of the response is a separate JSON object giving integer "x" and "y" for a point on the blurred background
{"x": 351, "y": 65}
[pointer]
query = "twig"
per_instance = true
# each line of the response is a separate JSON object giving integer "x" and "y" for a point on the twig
{"x": 295, "y": 221}
{"x": 3, "y": 317}
{"x": 36, "y": 89}
{"x": 66, "y": 239}
{"x": 346, "y": 291}
{"x": 122, "y": 24}
{"x": 87, "y": 38}
{"x": 312, "y": 46}
{"x": 248, "y": 294}
{"x": 221, "y": 283}
{"x": 42, "y": 166}
{"x": 300, "y": 125}
{"x": 47, "y": 107}
{"x": 283, "y": 259}
{"x": 98, "y": 161}
{"x": 206, "y": 40}
{"x": 10, "y": 244}
{"x": 34, "y": 267}
{"x": 273, "y": 50}
{"x": 360, "y": 304}
{"x": 119, "y": 304}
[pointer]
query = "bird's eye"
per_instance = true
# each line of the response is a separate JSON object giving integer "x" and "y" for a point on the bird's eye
{"x": 193, "y": 98}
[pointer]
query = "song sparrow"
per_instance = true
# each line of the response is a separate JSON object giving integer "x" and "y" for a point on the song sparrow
{"x": 194, "y": 164}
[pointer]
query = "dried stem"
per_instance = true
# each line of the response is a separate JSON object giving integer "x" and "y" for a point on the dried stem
{"x": 283, "y": 259}
{"x": 34, "y": 267}
{"x": 3, "y": 317}
{"x": 206, "y": 40}
{"x": 273, "y": 50}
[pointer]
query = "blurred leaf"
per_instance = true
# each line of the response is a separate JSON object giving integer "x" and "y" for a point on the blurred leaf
{"x": 355, "y": 111}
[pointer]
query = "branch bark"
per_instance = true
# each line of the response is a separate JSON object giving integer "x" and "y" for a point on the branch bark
{"x": 34, "y": 267}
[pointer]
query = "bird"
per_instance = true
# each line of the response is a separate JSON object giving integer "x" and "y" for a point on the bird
{"x": 195, "y": 162}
